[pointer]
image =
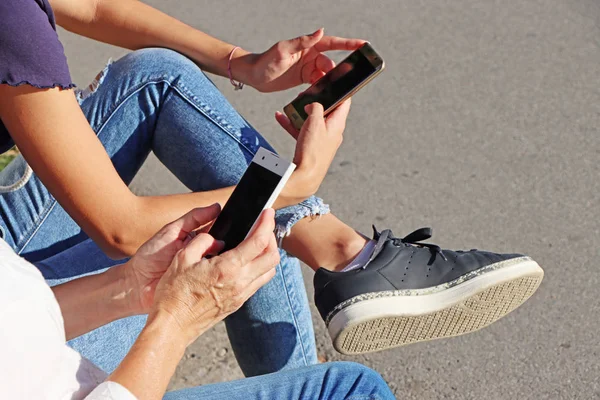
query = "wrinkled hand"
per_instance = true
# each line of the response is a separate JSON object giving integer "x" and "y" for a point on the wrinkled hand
{"x": 316, "y": 146}
{"x": 195, "y": 293}
{"x": 290, "y": 63}
{"x": 153, "y": 258}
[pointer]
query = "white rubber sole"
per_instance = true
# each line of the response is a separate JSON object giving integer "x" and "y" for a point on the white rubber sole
{"x": 404, "y": 317}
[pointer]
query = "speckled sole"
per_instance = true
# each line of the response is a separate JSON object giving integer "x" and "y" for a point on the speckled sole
{"x": 383, "y": 322}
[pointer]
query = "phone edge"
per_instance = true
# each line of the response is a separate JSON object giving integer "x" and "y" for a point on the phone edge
{"x": 284, "y": 178}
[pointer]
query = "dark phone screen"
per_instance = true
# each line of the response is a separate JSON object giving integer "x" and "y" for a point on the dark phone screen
{"x": 245, "y": 205}
{"x": 336, "y": 83}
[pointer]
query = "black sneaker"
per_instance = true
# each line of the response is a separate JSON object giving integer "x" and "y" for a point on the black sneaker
{"x": 411, "y": 292}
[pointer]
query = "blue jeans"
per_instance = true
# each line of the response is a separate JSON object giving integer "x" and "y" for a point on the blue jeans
{"x": 331, "y": 381}
{"x": 157, "y": 100}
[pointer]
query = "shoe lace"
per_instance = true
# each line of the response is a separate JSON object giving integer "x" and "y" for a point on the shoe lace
{"x": 415, "y": 238}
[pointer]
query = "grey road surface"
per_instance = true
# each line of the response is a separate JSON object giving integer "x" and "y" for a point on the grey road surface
{"x": 485, "y": 126}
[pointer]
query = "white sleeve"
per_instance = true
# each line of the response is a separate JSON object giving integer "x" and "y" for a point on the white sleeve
{"x": 110, "y": 391}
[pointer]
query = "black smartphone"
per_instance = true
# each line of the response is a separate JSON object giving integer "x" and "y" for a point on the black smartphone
{"x": 258, "y": 189}
{"x": 350, "y": 75}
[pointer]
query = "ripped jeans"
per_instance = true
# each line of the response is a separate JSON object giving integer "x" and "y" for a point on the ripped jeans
{"x": 158, "y": 100}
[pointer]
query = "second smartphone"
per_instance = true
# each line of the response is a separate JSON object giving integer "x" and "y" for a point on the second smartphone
{"x": 258, "y": 189}
{"x": 354, "y": 72}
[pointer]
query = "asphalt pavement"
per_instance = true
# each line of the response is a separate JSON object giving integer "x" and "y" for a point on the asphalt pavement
{"x": 485, "y": 126}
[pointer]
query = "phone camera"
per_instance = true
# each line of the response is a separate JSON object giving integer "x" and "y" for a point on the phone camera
{"x": 263, "y": 157}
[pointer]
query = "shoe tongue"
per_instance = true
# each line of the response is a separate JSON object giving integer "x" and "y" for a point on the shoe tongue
{"x": 381, "y": 239}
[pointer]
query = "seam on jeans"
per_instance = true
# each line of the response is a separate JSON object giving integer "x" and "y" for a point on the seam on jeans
{"x": 186, "y": 94}
{"x": 119, "y": 103}
{"x": 209, "y": 113}
{"x": 38, "y": 222}
{"x": 287, "y": 293}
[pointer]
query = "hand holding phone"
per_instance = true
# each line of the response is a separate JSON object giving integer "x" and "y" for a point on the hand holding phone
{"x": 258, "y": 189}
{"x": 339, "y": 84}
{"x": 316, "y": 146}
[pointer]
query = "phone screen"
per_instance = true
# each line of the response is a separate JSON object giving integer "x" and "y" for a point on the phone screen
{"x": 245, "y": 205}
{"x": 336, "y": 83}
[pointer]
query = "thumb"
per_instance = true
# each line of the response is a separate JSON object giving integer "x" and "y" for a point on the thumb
{"x": 301, "y": 42}
{"x": 314, "y": 111}
{"x": 194, "y": 220}
{"x": 200, "y": 246}
{"x": 314, "y": 123}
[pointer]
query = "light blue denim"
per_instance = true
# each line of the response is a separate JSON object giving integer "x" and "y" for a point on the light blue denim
{"x": 158, "y": 100}
{"x": 331, "y": 381}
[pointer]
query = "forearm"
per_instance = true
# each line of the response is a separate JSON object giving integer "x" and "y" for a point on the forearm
{"x": 92, "y": 301}
{"x": 153, "y": 212}
{"x": 134, "y": 25}
{"x": 151, "y": 362}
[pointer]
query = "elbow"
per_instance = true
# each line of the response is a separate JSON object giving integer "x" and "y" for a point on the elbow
{"x": 118, "y": 232}
{"x": 118, "y": 246}
{"x": 118, "y": 243}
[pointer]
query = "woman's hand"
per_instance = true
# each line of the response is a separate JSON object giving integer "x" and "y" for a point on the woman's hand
{"x": 290, "y": 63}
{"x": 148, "y": 265}
{"x": 316, "y": 146}
{"x": 195, "y": 293}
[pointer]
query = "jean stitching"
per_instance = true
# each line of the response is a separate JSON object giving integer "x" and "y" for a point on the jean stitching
{"x": 187, "y": 95}
{"x": 38, "y": 223}
{"x": 129, "y": 94}
{"x": 287, "y": 293}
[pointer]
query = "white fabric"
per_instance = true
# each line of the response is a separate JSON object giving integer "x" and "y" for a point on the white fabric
{"x": 35, "y": 362}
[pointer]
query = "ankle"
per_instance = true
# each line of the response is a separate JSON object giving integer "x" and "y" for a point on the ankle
{"x": 345, "y": 251}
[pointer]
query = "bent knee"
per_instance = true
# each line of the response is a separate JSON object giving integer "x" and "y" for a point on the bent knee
{"x": 158, "y": 62}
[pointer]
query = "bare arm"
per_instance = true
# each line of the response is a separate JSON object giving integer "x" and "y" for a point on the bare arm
{"x": 151, "y": 362}
{"x": 134, "y": 25}
{"x": 191, "y": 297}
{"x": 57, "y": 141}
{"x": 92, "y": 301}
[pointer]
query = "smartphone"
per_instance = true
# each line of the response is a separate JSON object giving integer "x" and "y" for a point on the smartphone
{"x": 258, "y": 189}
{"x": 358, "y": 69}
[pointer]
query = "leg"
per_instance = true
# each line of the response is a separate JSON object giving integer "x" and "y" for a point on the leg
{"x": 331, "y": 381}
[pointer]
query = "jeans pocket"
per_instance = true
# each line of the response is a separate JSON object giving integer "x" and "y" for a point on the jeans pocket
{"x": 15, "y": 175}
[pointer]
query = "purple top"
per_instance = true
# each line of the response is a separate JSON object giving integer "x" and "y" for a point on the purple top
{"x": 30, "y": 52}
